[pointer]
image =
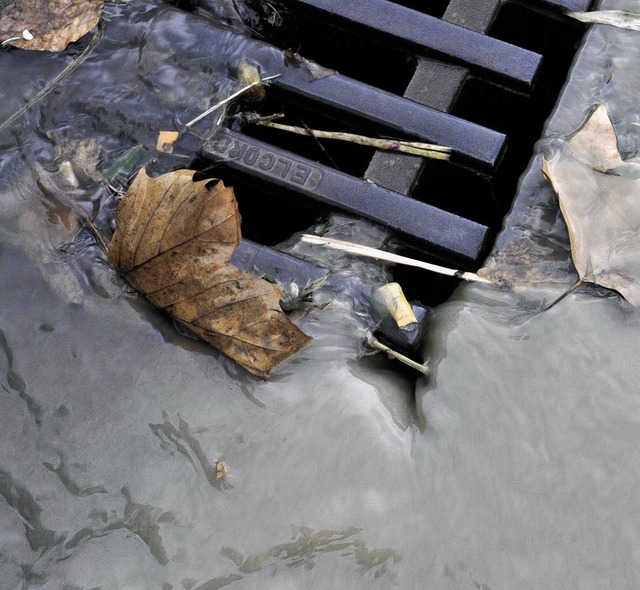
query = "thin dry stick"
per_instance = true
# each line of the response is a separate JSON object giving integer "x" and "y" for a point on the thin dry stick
{"x": 92, "y": 228}
{"x": 360, "y": 250}
{"x": 223, "y": 102}
{"x": 319, "y": 144}
{"x": 51, "y": 85}
{"x": 568, "y": 292}
{"x": 427, "y": 150}
{"x": 403, "y": 359}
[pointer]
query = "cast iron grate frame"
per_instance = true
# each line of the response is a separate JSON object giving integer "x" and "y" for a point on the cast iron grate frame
{"x": 445, "y": 86}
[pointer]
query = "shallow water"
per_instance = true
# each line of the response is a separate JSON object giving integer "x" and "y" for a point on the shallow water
{"x": 514, "y": 465}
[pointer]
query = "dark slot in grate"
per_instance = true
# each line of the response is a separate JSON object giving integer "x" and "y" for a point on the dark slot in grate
{"x": 478, "y": 75}
{"x": 433, "y": 7}
{"x": 425, "y": 35}
{"x": 327, "y": 187}
{"x": 366, "y": 107}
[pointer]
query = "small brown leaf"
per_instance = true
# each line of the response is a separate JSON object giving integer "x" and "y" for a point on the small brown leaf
{"x": 165, "y": 142}
{"x": 53, "y": 23}
{"x": 173, "y": 243}
{"x": 316, "y": 70}
{"x": 221, "y": 470}
{"x": 601, "y": 209}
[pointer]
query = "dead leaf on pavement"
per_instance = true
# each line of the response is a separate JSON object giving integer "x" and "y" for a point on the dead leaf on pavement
{"x": 173, "y": 243}
{"x": 165, "y": 142}
{"x": 221, "y": 470}
{"x": 599, "y": 196}
{"x": 53, "y": 23}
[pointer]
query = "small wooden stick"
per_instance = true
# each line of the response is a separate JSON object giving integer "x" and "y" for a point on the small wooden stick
{"x": 427, "y": 150}
{"x": 223, "y": 102}
{"x": 396, "y": 355}
{"x": 360, "y": 250}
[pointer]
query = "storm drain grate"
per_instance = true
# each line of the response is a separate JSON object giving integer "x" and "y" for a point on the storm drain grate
{"x": 480, "y": 76}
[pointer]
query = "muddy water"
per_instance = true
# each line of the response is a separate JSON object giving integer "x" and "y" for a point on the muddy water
{"x": 533, "y": 422}
{"x": 515, "y": 465}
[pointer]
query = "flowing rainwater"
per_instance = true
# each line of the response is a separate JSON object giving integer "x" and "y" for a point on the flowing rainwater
{"x": 513, "y": 466}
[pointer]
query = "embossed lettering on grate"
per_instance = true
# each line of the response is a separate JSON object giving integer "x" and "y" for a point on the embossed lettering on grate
{"x": 479, "y": 76}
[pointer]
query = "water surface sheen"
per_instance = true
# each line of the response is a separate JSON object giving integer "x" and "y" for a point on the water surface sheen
{"x": 516, "y": 468}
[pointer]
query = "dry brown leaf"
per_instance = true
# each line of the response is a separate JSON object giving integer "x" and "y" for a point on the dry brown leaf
{"x": 595, "y": 144}
{"x": 53, "y": 23}
{"x": 165, "y": 142}
{"x": 601, "y": 209}
{"x": 316, "y": 70}
{"x": 221, "y": 470}
{"x": 173, "y": 243}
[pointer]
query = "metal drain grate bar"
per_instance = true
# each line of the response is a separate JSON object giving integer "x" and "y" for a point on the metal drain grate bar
{"x": 397, "y": 115}
{"x": 451, "y": 235}
{"x": 285, "y": 268}
{"x": 434, "y": 84}
{"x": 428, "y": 35}
{"x": 273, "y": 264}
{"x": 465, "y": 83}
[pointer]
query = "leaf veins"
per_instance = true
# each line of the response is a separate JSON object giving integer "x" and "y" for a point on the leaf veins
{"x": 173, "y": 243}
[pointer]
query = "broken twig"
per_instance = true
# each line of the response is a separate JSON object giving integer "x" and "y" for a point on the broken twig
{"x": 427, "y": 150}
{"x": 396, "y": 355}
{"x": 360, "y": 250}
{"x": 223, "y": 102}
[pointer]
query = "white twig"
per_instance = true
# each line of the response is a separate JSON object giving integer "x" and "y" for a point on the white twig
{"x": 396, "y": 355}
{"x": 223, "y": 102}
{"x": 427, "y": 150}
{"x": 360, "y": 250}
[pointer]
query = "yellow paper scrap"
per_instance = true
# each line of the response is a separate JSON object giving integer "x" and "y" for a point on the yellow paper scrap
{"x": 166, "y": 139}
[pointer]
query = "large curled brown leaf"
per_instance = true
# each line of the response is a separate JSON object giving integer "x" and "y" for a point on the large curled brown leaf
{"x": 599, "y": 196}
{"x": 173, "y": 242}
{"x": 53, "y": 23}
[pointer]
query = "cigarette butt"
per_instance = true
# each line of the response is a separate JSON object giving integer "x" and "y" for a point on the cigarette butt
{"x": 392, "y": 298}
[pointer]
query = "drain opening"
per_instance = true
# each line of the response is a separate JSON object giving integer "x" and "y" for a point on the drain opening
{"x": 270, "y": 214}
{"x": 467, "y": 190}
{"x": 433, "y": 8}
{"x": 367, "y": 59}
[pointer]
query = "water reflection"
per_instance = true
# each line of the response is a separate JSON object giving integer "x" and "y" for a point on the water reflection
{"x": 143, "y": 520}
{"x": 12, "y": 381}
{"x": 303, "y": 550}
{"x": 183, "y": 439}
{"x": 19, "y": 498}
{"x": 63, "y": 473}
{"x": 515, "y": 468}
